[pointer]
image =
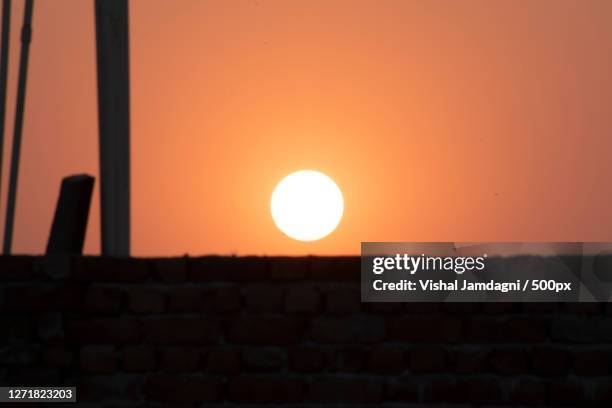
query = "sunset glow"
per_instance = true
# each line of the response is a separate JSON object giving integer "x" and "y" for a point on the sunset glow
{"x": 440, "y": 121}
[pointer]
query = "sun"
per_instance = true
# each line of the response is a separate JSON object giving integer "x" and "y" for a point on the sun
{"x": 307, "y": 205}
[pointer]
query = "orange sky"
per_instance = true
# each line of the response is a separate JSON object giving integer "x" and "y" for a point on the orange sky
{"x": 440, "y": 120}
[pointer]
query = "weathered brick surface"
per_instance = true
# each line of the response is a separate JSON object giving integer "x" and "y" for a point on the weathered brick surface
{"x": 223, "y": 361}
{"x": 101, "y": 300}
{"x": 180, "y": 389}
{"x": 146, "y": 300}
{"x": 184, "y": 330}
{"x": 98, "y": 359}
{"x": 139, "y": 359}
{"x": 181, "y": 359}
{"x": 265, "y": 389}
{"x": 103, "y": 331}
{"x": 273, "y": 330}
{"x": 249, "y": 331}
{"x": 169, "y": 270}
{"x": 17, "y": 268}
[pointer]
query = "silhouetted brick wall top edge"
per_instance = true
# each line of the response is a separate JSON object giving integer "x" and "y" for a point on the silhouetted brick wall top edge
{"x": 181, "y": 269}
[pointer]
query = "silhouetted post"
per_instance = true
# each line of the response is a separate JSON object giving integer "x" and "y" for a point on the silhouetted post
{"x": 4, "y": 55}
{"x": 26, "y": 37}
{"x": 114, "y": 121}
{"x": 70, "y": 222}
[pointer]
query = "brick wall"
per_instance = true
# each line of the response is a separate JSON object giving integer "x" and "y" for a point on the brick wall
{"x": 248, "y": 331}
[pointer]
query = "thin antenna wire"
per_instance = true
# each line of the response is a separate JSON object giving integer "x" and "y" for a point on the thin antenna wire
{"x": 4, "y": 55}
{"x": 26, "y": 37}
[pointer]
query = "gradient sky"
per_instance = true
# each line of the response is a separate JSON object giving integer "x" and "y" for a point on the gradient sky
{"x": 440, "y": 120}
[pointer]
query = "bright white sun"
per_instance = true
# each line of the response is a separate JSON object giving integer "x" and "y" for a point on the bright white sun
{"x": 307, "y": 205}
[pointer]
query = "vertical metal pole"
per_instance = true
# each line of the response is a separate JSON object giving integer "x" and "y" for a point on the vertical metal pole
{"x": 4, "y": 54}
{"x": 112, "y": 44}
{"x": 26, "y": 37}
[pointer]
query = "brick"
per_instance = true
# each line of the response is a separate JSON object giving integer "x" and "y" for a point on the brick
{"x": 227, "y": 269}
{"x": 263, "y": 298}
{"x": 468, "y": 308}
{"x": 387, "y": 359}
{"x": 109, "y": 269}
{"x": 382, "y": 307}
{"x": 422, "y": 308}
{"x": 427, "y": 360}
{"x": 527, "y": 392}
{"x": 468, "y": 361}
{"x": 265, "y": 389}
{"x": 353, "y": 358}
{"x": 223, "y": 361}
{"x": 269, "y": 331}
{"x": 32, "y": 375}
{"x": 346, "y": 389}
{"x": 603, "y": 394}
{"x": 139, "y": 359}
{"x": 263, "y": 359}
{"x": 57, "y": 357}
{"x": 182, "y": 359}
{"x": 16, "y": 268}
{"x": 180, "y": 331}
{"x": 54, "y": 266}
{"x": 444, "y": 390}
{"x": 174, "y": 389}
{"x": 286, "y": 268}
{"x": 43, "y": 299}
{"x": 509, "y": 361}
{"x": 170, "y": 270}
{"x": 308, "y": 359}
{"x": 482, "y": 391}
{"x": 499, "y": 308}
{"x": 17, "y": 329}
{"x": 425, "y": 329}
{"x": 582, "y": 329}
{"x": 584, "y": 308}
{"x": 50, "y": 327}
{"x": 566, "y": 393}
{"x": 104, "y": 331}
{"x": 351, "y": 329}
{"x": 550, "y": 361}
{"x": 145, "y": 300}
{"x": 102, "y": 388}
{"x": 403, "y": 389}
{"x": 98, "y": 359}
{"x": 341, "y": 269}
{"x": 590, "y": 363}
{"x": 19, "y": 355}
{"x": 185, "y": 300}
{"x": 512, "y": 330}
{"x": 479, "y": 330}
{"x": 526, "y": 329}
{"x": 343, "y": 301}
{"x": 222, "y": 300}
{"x": 541, "y": 307}
{"x": 100, "y": 300}
{"x": 302, "y": 300}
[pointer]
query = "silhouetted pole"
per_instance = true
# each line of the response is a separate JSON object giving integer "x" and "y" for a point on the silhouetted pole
{"x": 70, "y": 221}
{"x": 114, "y": 121}
{"x": 26, "y": 37}
{"x": 4, "y": 55}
